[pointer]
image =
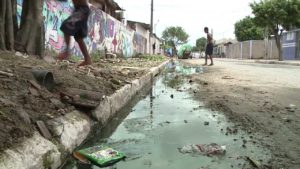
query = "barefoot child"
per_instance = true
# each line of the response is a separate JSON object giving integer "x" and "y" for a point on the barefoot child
{"x": 209, "y": 47}
{"x": 76, "y": 25}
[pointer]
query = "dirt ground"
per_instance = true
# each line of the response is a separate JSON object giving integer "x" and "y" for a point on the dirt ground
{"x": 262, "y": 99}
{"x": 23, "y": 102}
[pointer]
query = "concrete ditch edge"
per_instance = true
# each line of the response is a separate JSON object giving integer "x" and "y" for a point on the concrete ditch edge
{"x": 71, "y": 130}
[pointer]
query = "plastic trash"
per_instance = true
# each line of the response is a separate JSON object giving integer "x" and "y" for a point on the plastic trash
{"x": 203, "y": 149}
{"x": 102, "y": 156}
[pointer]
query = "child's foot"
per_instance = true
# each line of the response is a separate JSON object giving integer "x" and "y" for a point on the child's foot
{"x": 204, "y": 64}
{"x": 63, "y": 56}
{"x": 84, "y": 63}
{"x": 211, "y": 64}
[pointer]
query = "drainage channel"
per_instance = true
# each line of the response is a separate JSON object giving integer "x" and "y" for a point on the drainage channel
{"x": 167, "y": 119}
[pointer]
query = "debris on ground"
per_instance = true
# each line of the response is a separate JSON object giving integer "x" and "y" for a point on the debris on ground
{"x": 101, "y": 156}
{"x": 24, "y": 101}
{"x": 203, "y": 149}
{"x": 172, "y": 96}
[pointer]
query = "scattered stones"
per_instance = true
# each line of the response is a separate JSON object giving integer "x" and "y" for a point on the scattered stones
{"x": 33, "y": 91}
{"x": 172, "y": 96}
{"x": 227, "y": 77}
{"x": 206, "y": 123}
{"x": 24, "y": 116}
{"x": 288, "y": 120}
{"x": 191, "y": 81}
{"x": 76, "y": 98}
{"x": 147, "y": 163}
{"x": 232, "y": 130}
{"x": 116, "y": 82}
{"x": 167, "y": 122}
{"x": 57, "y": 103}
{"x": 185, "y": 121}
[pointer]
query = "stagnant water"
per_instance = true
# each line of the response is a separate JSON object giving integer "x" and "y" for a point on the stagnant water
{"x": 169, "y": 118}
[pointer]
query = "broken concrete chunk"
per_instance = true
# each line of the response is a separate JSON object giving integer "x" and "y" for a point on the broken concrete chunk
{"x": 33, "y": 91}
{"x": 44, "y": 130}
{"x": 24, "y": 116}
{"x": 57, "y": 103}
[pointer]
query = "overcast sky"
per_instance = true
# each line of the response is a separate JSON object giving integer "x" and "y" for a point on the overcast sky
{"x": 192, "y": 15}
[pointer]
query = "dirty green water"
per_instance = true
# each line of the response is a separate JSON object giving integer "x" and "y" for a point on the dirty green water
{"x": 160, "y": 124}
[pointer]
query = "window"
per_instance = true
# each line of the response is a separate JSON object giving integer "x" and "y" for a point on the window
{"x": 290, "y": 36}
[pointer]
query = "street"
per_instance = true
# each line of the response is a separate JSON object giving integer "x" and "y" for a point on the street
{"x": 263, "y": 99}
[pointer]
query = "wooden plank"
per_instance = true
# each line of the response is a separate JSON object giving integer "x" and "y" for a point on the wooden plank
{"x": 44, "y": 130}
{"x": 35, "y": 84}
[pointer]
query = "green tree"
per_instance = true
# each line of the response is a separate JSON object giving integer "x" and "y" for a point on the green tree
{"x": 246, "y": 29}
{"x": 29, "y": 37}
{"x": 200, "y": 44}
{"x": 277, "y": 16}
{"x": 175, "y": 36}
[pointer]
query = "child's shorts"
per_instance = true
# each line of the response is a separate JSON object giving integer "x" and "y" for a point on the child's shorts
{"x": 76, "y": 24}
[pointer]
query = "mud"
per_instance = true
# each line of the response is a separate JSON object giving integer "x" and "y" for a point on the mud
{"x": 22, "y": 103}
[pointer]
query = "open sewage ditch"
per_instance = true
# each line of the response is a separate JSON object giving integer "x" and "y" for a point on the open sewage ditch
{"x": 164, "y": 120}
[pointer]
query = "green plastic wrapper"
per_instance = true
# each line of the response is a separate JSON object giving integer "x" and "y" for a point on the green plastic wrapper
{"x": 102, "y": 156}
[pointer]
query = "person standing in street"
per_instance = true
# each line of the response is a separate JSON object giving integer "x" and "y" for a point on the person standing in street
{"x": 76, "y": 25}
{"x": 209, "y": 47}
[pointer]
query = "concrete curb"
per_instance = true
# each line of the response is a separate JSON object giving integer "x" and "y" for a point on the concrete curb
{"x": 71, "y": 130}
{"x": 292, "y": 63}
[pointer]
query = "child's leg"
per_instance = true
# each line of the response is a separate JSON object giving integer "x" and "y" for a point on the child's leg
{"x": 83, "y": 48}
{"x": 65, "y": 54}
{"x": 211, "y": 60}
{"x": 205, "y": 59}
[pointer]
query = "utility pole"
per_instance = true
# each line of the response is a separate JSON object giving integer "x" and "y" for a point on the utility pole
{"x": 151, "y": 28}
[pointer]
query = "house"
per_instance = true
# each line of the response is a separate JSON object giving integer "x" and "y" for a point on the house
{"x": 110, "y": 7}
{"x": 141, "y": 36}
{"x": 291, "y": 45}
{"x": 157, "y": 42}
{"x": 221, "y": 46}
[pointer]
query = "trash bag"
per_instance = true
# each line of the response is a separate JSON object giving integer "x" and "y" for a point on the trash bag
{"x": 102, "y": 156}
{"x": 203, "y": 149}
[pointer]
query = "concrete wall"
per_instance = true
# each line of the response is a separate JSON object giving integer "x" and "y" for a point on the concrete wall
{"x": 255, "y": 49}
{"x": 104, "y": 30}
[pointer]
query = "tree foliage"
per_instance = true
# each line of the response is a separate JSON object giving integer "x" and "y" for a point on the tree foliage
{"x": 246, "y": 29}
{"x": 276, "y": 16}
{"x": 175, "y": 36}
{"x": 200, "y": 44}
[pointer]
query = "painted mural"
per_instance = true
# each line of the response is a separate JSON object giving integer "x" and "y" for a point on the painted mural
{"x": 104, "y": 31}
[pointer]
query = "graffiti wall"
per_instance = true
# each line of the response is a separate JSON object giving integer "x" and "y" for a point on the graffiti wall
{"x": 104, "y": 31}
